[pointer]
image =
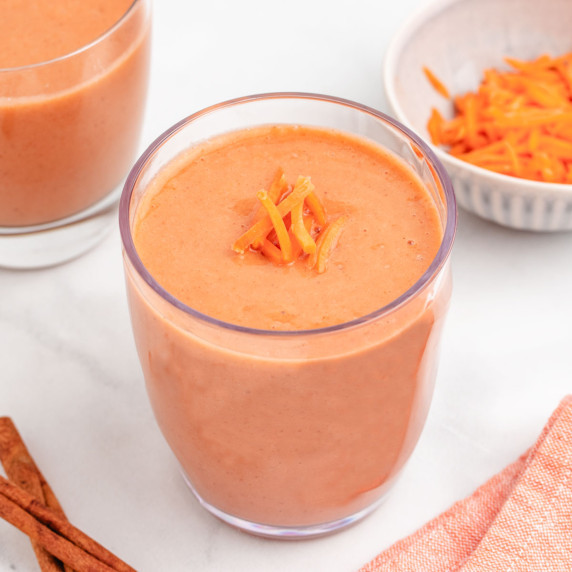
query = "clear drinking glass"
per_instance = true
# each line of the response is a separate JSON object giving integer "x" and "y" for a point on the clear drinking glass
{"x": 70, "y": 132}
{"x": 291, "y": 433}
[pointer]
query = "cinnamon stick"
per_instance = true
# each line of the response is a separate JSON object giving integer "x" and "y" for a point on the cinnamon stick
{"x": 55, "y": 533}
{"x": 21, "y": 469}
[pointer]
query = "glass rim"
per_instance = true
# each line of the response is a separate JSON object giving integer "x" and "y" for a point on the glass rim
{"x": 98, "y": 40}
{"x": 430, "y": 273}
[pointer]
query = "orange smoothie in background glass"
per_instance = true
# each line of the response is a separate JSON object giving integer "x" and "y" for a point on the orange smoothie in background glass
{"x": 290, "y": 397}
{"x": 73, "y": 80}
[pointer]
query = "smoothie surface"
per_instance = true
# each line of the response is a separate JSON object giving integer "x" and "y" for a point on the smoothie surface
{"x": 34, "y": 31}
{"x": 199, "y": 204}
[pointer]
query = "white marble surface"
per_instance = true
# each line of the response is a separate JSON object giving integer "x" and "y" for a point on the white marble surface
{"x": 69, "y": 373}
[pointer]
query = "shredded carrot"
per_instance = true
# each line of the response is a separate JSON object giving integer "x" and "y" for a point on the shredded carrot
{"x": 300, "y": 231}
{"x": 326, "y": 243}
{"x": 291, "y": 225}
{"x": 317, "y": 208}
{"x": 436, "y": 83}
{"x": 296, "y": 245}
{"x": 271, "y": 251}
{"x": 278, "y": 224}
{"x": 518, "y": 122}
{"x": 261, "y": 228}
{"x": 277, "y": 188}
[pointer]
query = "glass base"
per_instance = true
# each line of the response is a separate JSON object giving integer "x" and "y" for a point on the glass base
{"x": 59, "y": 241}
{"x": 287, "y": 532}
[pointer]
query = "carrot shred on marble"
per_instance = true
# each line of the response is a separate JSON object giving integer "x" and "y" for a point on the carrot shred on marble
{"x": 291, "y": 223}
{"x": 518, "y": 122}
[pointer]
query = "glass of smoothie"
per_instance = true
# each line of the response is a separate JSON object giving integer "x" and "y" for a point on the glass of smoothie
{"x": 291, "y": 393}
{"x": 73, "y": 83}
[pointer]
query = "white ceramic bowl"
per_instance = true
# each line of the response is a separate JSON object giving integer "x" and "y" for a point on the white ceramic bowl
{"x": 457, "y": 40}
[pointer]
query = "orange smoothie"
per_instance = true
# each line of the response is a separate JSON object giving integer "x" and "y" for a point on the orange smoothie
{"x": 70, "y": 115}
{"x": 392, "y": 234}
{"x": 310, "y": 421}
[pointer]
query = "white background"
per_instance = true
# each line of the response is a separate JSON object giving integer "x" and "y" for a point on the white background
{"x": 69, "y": 375}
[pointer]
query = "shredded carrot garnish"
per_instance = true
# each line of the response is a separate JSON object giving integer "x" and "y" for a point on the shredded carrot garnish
{"x": 291, "y": 225}
{"x": 317, "y": 208}
{"x": 300, "y": 231}
{"x": 271, "y": 251}
{"x": 518, "y": 122}
{"x": 278, "y": 224}
{"x": 276, "y": 190}
{"x": 436, "y": 83}
{"x": 326, "y": 243}
{"x": 261, "y": 228}
{"x": 296, "y": 246}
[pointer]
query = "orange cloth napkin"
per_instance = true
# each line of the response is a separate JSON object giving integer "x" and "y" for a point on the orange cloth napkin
{"x": 520, "y": 520}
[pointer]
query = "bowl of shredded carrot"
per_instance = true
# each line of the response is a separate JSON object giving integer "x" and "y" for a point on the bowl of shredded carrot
{"x": 489, "y": 84}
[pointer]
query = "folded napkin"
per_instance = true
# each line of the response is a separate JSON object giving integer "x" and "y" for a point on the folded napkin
{"x": 520, "y": 520}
